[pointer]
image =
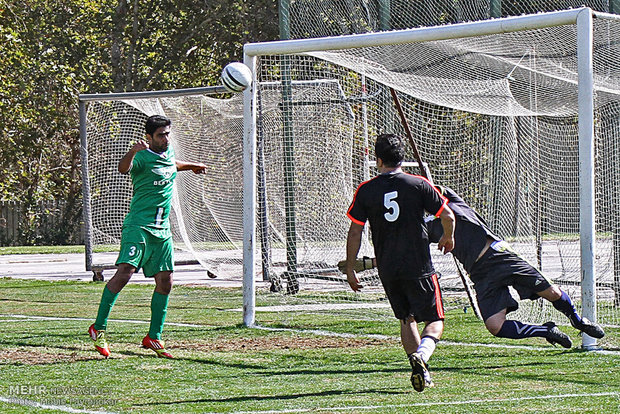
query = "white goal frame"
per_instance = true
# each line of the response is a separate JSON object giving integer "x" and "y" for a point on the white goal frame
{"x": 83, "y": 99}
{"x": 581, "y": 17}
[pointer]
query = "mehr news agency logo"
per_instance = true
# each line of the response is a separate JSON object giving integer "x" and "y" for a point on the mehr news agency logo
{"x": 60, "y": 395}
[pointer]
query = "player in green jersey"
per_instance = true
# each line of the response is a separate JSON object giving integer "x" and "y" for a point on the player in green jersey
{"x": 146, "y": 240}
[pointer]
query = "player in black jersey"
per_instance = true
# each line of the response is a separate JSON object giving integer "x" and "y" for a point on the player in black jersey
{"x": 493, "y": 266}
{"x": 394, "y": 203}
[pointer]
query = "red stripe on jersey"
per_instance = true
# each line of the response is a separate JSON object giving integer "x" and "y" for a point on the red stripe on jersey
{"x": 438, "y": 299}
{"x": 445, "y": 203}
{"x": 443, "y": 197}
{"x": 361, "y": 223}
{"x": 353, "y": 219}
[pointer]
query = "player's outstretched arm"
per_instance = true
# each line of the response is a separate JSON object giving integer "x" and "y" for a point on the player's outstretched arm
{"x": 354, "y": 240}
{"x": 124, "y": 165}
{"x": 446, "y": 242}
{"x": 362, "y": 264}
{"x": 196, "y": 167}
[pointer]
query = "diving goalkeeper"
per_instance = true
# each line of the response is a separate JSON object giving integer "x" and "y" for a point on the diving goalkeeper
{"x": 493, "y": 267}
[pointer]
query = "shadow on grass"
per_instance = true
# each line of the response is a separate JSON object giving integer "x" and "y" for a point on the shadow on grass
{"x": 36, "y": 349}
{"x": 274, "y": 397}
{"x": 547, "y": 371}
{"x": 259, "y": 369}
{"x": 46, "y": 302}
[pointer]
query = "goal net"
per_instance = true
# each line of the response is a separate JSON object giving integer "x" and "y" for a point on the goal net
{"x": 206, "y": 218}
{"x": 494, "y": 109}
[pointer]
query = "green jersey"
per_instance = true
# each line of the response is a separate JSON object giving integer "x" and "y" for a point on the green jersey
{"x": 152, "y": 176}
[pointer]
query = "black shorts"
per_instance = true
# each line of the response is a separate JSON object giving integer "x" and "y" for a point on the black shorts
{"x": 495, "y": 271}
{"x": 420, "y": 298}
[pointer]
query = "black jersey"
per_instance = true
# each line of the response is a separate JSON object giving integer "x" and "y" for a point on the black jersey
{"x": 394, "y": 205}
{"x": 470, "y": 230}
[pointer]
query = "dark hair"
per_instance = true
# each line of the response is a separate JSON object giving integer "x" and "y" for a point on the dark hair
{"x": 390, "y": 148}
{"x": 154, "y": 122}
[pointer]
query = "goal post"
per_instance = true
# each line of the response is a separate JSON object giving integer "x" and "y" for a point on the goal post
{"x": 465, "y": 88}
{"x": 586, "y": 166}
{"x": 249, "y": 194}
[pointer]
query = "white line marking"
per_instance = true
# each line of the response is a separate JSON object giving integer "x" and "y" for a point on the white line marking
{"x": 54, "y": 318}
{"x": 387, "y": 337}
{"x": 326, "y": 333}
{"x": 63, "y": 408}
{"x": 316, "y": 307}
{"x": 317, "y": 332}
{"x": 429, "y": 404}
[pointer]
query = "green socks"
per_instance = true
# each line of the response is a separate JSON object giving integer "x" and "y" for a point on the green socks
{"x": 159, "y": 307}
{"x": 105, "y": 307}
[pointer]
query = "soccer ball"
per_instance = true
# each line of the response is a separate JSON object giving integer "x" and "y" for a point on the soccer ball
{"x": 236, "y": 77}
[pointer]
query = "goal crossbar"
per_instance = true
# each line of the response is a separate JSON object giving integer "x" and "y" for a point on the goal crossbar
{"x": 205, "y": 90}
{"x": 422, "y": 34}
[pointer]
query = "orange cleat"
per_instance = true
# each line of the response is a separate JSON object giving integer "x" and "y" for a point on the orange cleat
{"x": 157, "y": 346}
{"x": 98, "y": 338}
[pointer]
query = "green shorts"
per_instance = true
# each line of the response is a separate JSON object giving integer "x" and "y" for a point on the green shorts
{"x": 142, "y": 250}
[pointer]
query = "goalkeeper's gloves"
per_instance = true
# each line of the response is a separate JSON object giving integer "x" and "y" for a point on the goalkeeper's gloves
{"x": 362, "y": 264}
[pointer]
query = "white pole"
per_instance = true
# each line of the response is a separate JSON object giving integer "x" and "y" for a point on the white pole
{"x": 366, "y": 147}
{"x": 205, "y": 90}
{"x": 481, "y": 28}
{"x": 365, "y": 128}
{"x": 86, "y": 206}
{"x": 249, "y": 195}
{"x": 586, "y": 168}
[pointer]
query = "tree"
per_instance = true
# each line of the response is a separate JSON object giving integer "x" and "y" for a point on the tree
{"x": 173, "y": 44}
{"x": 54, "y": 50}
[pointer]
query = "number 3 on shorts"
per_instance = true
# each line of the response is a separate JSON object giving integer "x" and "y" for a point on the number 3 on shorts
{"x": 132, "y": 251}
{"x": 392, "y": 205}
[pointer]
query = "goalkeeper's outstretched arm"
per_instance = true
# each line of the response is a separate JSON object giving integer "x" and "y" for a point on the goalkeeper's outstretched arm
{"x": 354, "y": 240}
{"x": 365, "y": 263}
{"x": 446, "y": 242}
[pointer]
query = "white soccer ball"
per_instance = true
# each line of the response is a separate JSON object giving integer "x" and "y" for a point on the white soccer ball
{"x": 236, "y": 77}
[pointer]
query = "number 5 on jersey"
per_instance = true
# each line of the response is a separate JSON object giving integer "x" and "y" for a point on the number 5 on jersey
{"x": 393, "y": 208}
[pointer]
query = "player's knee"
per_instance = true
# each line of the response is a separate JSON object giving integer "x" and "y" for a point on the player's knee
{"x": 493, "y": 330}
{"x": 408, "y": 320}
{"x": 494, "y": 325}
{"x": 552, "y": 293}
{"x": 124, "y": 272}
{"x": 163, "y": 282}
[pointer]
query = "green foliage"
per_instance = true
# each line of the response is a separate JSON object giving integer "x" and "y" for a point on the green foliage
{"x": 54, "y": 50}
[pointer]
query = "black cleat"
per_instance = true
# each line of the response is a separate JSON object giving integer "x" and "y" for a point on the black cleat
{"x": 555, "y": 336}
{"x": 420, "y": 377}
{"x": 589, "y": 328}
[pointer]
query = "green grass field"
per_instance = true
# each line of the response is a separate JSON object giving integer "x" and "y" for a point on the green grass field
{"x": 47, "y": 364}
